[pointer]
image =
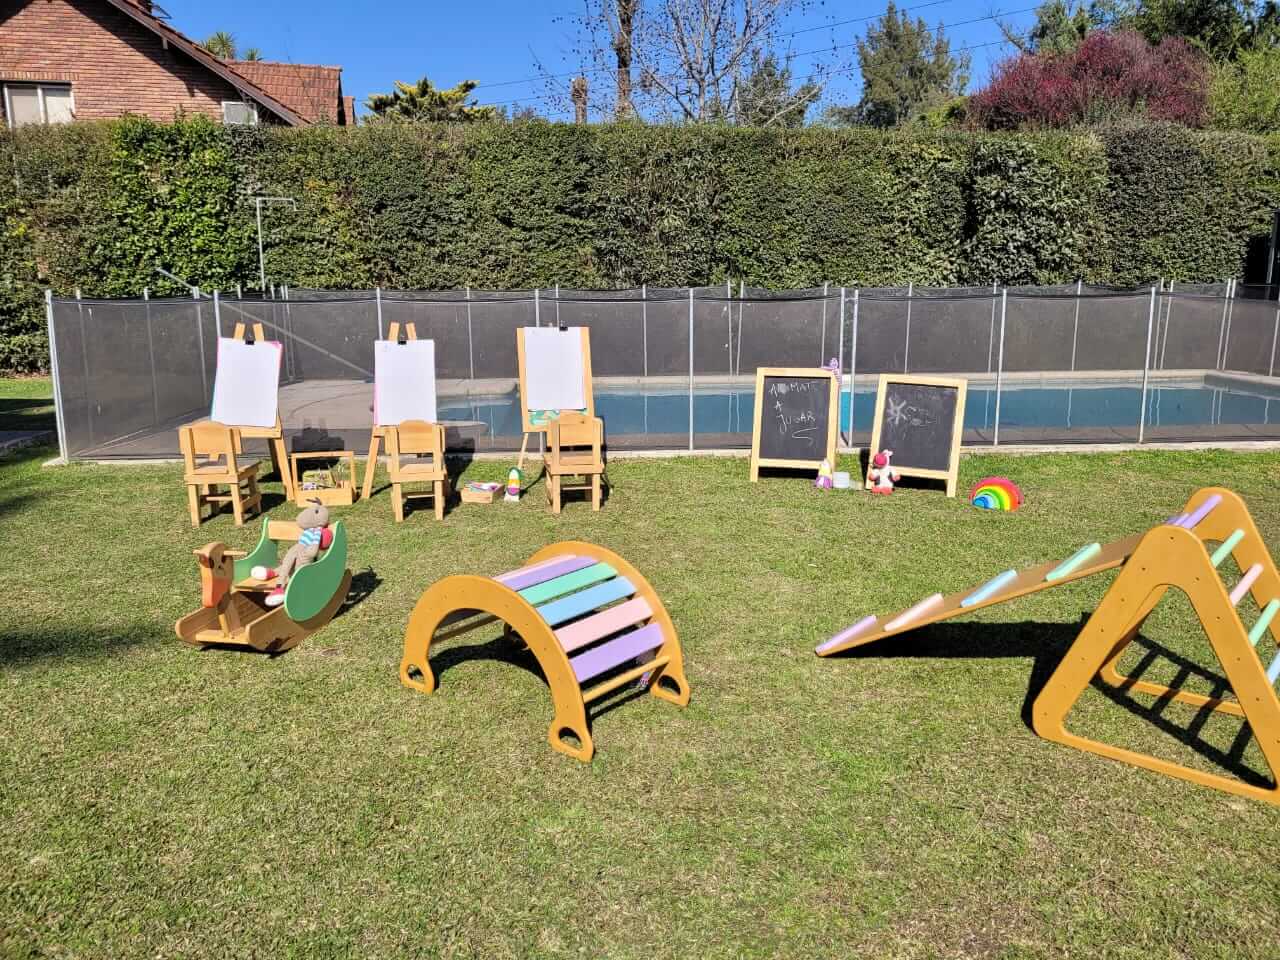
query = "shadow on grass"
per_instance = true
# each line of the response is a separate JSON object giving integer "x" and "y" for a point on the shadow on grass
{"x": 1045, "y": 644}
{"x": 22, "y": 414}
{"x": 20, "y": 647}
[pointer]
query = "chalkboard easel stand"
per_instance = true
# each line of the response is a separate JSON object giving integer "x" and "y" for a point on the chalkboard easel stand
{"x": 378, "y": 434}
{"x": 941, "y": 460}
{"x": 813, "y": 457}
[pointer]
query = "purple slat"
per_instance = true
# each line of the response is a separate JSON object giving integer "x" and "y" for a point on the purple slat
{"x": 616, "y": 652}
{"x": 543, "y": 572}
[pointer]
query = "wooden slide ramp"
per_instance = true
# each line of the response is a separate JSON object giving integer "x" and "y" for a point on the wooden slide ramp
{"x": 1030, "y": 580}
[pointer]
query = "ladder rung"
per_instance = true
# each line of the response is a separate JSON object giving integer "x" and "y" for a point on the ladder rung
{"x": 1241, "y": 588}
{"x": 1273, "y": 671}
{"x": 1225, "y": 548}
{"x": 1264, "y": 621}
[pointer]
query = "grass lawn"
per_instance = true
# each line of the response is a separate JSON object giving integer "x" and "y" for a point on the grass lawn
{"x": 26, "y": 403}
{"x": 160, "y": 801}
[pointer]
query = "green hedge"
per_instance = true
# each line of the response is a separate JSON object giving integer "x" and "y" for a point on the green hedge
{"x": 496, "y": 206}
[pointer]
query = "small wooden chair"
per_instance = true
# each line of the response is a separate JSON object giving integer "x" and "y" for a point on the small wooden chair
{"x": 416, "y": 437}
{"x": 574, "y": 449}
{"x": 209, "y": 453}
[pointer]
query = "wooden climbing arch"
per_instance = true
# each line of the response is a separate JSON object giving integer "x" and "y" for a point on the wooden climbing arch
{"x": 591, "y": 620}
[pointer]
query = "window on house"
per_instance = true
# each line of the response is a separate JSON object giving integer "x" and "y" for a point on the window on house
{"x": 26, "y": 103}
{"x": 239, "y": 112}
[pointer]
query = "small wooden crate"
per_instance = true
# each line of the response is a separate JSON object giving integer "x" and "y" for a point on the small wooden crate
{"x": 470, "y": 495}
{"x": 342, "y": 495}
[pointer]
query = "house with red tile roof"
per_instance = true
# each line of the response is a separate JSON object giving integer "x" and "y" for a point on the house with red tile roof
{"x": 63, "y": 60}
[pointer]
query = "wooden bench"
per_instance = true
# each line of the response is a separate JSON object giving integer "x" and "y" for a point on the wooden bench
{"x": 591, "y": 620}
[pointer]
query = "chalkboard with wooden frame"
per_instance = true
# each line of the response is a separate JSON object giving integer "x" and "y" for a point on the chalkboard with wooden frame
{"x": 796, "y": 418}
{"x": 920, "y": 419}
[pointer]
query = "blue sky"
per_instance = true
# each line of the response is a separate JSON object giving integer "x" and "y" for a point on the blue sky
{"x": 495, "y": 41}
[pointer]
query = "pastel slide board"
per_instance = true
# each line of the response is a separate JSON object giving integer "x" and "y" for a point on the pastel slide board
{"x": 404, "y": 381}
{"x": 247, "y": 383}
{"x": 553, "y": 369}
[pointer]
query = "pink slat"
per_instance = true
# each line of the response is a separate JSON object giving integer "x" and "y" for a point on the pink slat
{"x": 1245, "y": 583}
{"x": 504, "y": 577}
{"x": 602, "y": 624}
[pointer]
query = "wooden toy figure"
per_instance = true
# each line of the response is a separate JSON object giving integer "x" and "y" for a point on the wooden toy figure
{"x": 883, "y": 475}
{"x": 824, "y": 480}
{"x": 514, "y": 482}
{"x": 313, "y": 522}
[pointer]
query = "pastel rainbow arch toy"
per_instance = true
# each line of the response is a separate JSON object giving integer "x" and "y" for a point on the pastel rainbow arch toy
{"x": 995, "y": 493}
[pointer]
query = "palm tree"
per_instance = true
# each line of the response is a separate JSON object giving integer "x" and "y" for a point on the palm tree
{"x": 412, "y": 102}
{"x": 253, "y": 53}
{"x": 221, "y": 44}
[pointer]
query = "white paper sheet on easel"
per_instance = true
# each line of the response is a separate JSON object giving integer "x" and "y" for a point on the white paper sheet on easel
{"x": 553, "y": 369}
{"x": 247, "y": 383}
{"x": 404, "y": 381}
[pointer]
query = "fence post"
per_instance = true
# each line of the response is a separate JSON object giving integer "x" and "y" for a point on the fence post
{"x": 1275, "y": 332}
{"x": 557, "y": 306}
{"x": 840, "y": 354}
{"x": 1231, "y": 315}
{"x": 471, "y": 346}
{"x": 204, "y": 373}
{"x": 377, "y": 297}
{"x": 853, "y": 360}
{"x": 691, "y": 368}
{"x": 1168, "y": 321}
{"x": 1075, "y": 327}
{"x": 537, "y": 308}
{"x": 1004, "y": 303}
{"x": 217, "y": 313}
{"x": 822, "y": 352}
{"x": 644, "y": 326}
{"x": 239, "y": 291}
{"x": 84, "y": 357}
{"x": 1222, "y": 327}
{"x": 906, "y": 343}
{"x": 991, "y": 337}
{"x": 59, "y": 416}
{"x": 728, "y": 306}
{"x": 151, "y": 356}
{"x": 1146, "y": 369}
{"x": 742, "y": 295}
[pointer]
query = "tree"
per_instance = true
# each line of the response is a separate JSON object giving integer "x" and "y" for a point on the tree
{"x": 221, "y": 44}
{"x": 419, "y": 102}
{"x": 906, "y": 70}
{"x": 1060, "y": 27}
{"x": 692, "y": 56}
{"x": 1222, "y": 28}
{"x": 1245, "y": 94}
{"x": 765, "y": 99}
{"x": 1111, "y": 74}
{"x": 253, "y": 53}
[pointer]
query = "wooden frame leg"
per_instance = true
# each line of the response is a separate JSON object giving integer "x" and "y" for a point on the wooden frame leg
{"x": 280, "y": 459}
{"x": 193, "y": 504}
{"x": 371, "y": 464}
{"x": 438, "y": 497}
{"x": 524, "y": 448}
{"x": 595, "y": 491}
{"x": 556, "y": 492}
{"x": 397, "y": 502}
{"x": 237, "y": 505}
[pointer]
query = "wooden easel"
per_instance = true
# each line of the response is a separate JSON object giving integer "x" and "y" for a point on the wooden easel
{"x": 378, "y": 434}
{"x": 273, "y": 435}
{"x": 528, "y": 424}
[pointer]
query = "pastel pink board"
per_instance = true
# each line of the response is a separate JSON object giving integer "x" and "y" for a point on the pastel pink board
{"x": 602, "y": 624}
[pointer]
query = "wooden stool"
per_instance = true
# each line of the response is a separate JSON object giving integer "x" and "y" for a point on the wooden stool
{"x": 574, "y": 449}
{"x": 209, "y": 454}
{"x": 420, "y": 438}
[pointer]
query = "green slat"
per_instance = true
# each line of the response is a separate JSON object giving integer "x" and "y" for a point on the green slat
{"x": 1225, "y": 548}
{"x": 542, "y": 592}
{"x": 1264, "y": 620}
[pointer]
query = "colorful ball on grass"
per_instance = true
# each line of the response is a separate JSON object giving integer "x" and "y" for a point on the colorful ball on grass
{"x": 995, "y": 493}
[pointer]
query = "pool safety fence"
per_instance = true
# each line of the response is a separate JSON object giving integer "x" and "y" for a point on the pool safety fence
{"x": 675, "y": 367}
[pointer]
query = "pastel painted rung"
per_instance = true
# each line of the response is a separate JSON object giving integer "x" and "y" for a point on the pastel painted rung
{"x": 575, "y": 605}
{"x": 1074, "y": 562}
{"x": 567, "y": 583}
{"x": 990, "y": 588}
{"x": 914, "y": 613}
{"x": 602, "y": 624}
{"x": 1225, "y": 548}
{"x": 616, "y": 652}
{"x": 1264, "y": 620}
{"x": 542, "y": 572}
{"x": 1241, "y": 588}
{"x": 848, "y": 633}
{"x": 1273, "y": 671}
{"x": 1193, "y": 518}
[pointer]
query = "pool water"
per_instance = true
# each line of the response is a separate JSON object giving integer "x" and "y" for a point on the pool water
{"x": 1058, "y": 408}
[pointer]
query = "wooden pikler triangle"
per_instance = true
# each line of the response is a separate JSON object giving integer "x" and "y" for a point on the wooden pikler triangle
{"x": 1176, "y": 554}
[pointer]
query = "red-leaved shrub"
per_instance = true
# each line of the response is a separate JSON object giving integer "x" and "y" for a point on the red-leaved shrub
{"x": 1108, "y": 75}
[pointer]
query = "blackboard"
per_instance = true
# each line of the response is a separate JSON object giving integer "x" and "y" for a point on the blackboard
{"x": 920, "y": 419}
{"x": 795, "y": 418}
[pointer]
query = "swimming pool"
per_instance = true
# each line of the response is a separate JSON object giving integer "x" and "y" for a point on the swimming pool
{"x": 1064, "y": 411}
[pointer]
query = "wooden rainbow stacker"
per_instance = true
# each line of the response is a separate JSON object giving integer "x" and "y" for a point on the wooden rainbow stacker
{"x": 1184, "y": 552}
{"x": 591, "y": 620}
